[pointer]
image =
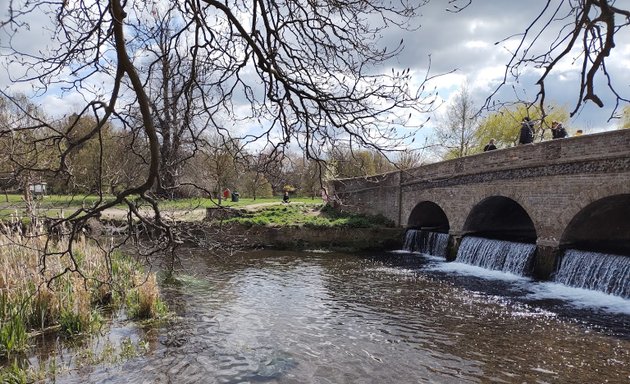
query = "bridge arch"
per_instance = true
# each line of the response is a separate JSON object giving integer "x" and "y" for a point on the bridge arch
{"x": 602, "y": 226}
{"x": 500, "y": 217}
{"x": 428, "y": 215}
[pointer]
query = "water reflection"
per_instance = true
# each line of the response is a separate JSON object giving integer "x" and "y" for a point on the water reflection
{"x": 282, "y": 317}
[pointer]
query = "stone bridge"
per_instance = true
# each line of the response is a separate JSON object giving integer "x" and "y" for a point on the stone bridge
{"x": 567, "y": 193}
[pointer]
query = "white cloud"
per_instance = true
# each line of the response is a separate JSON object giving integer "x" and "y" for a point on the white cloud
{"x": 464, "y": 41}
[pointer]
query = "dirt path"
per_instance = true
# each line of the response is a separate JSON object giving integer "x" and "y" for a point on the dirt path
{"x": 172, "y": 214}
{"x": 196, "y": 214}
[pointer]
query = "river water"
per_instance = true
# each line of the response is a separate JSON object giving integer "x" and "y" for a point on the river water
{"x": 311, "y": 317}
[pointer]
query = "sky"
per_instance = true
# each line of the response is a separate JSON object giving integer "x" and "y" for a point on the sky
{"x": 463, "y": 43}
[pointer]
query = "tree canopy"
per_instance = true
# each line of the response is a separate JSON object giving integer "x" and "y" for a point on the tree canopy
{"x": 505, "y": 124}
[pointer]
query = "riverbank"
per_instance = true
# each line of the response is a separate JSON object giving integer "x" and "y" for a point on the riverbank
{"x": 278, "y": 226}
{"x": 235, "y": 235}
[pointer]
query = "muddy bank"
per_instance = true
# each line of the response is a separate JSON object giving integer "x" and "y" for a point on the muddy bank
{"x": 209, "y": 235}
{"x": 348, "y": 239}
{"x": 328, "y": 238}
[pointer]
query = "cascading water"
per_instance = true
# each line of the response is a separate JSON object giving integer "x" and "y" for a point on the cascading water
{"x": 432, "y": 243}
{"x": 498, "y": 255}
{"x": 595, "y": 271}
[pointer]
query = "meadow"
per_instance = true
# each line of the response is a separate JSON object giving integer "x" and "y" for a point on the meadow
{"x": 13, "y": 206}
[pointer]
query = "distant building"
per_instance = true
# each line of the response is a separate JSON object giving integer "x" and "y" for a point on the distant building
{"x": 38, "y": 189}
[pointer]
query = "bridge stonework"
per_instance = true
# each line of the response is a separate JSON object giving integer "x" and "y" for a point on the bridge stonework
{"x": 560, "y": 185}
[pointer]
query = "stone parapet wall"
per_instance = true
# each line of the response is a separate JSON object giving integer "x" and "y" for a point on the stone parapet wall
{"x": 601, "y": 146}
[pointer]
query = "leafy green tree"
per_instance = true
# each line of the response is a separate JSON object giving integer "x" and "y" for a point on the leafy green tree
{"x": 625, "y": 118}
{"x": 504, "y": 126}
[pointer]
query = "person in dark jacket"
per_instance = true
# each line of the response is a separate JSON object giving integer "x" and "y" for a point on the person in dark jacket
{"x": 558, "y": 131}
{"x": 490, "y": 146}
{"x": 527, "y": 131}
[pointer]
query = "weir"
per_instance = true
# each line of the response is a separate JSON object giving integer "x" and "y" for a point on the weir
{"x": 498, "y": 255}
{"x": 432, "y": 243}
{"x": 591, "y": 270}
{"x": 595, "y": 271}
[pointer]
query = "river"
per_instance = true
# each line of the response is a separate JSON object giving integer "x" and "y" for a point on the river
{"x": 314, "y": 317}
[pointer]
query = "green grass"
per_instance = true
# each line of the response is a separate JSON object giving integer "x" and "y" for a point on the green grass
{"x": 48, "y": 206}
{"x": 309, "y": 216}
{"x": 52, "y": 201}
{"x": 53, "y": 205}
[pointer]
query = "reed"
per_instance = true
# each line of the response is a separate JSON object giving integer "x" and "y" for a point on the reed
{"x": 65, "y": 291}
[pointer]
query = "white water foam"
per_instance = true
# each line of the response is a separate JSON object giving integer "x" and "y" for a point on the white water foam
{"x": 498, "y": 255}
{"x": 472, "y": 270}
{"x": 401, "y": 252}
{"x": 579, "y": 297}
{"x": 596, "y": 271}
{"x": 576, "y": 297}
{"x": 435, "y": 243}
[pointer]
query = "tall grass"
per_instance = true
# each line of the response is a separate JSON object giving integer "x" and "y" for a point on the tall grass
{"x": 42, "y": 293}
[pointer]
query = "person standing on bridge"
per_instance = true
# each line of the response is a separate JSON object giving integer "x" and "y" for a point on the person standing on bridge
{"x": 526, "y": 135}
{"x": 558, "y": 131}
{"x": 490, "y": 146}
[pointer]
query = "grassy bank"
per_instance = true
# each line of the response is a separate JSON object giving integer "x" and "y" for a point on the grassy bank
{"x": 47, "y": 295}
{"x": 309, "y": 216}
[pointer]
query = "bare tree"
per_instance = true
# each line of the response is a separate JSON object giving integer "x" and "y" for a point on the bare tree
{"x": 24, "y": 151}
{"x": 174, "y": 82}
{"x": 408, "y": 158}
{"x": 456, "y": 133}
{"x": 307, "y": 72}
{"x": 306, "y": 68}
{"x": 347, "y": 162}
{"x": 255, "y": 182}
{"x": 583, "y": 31}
